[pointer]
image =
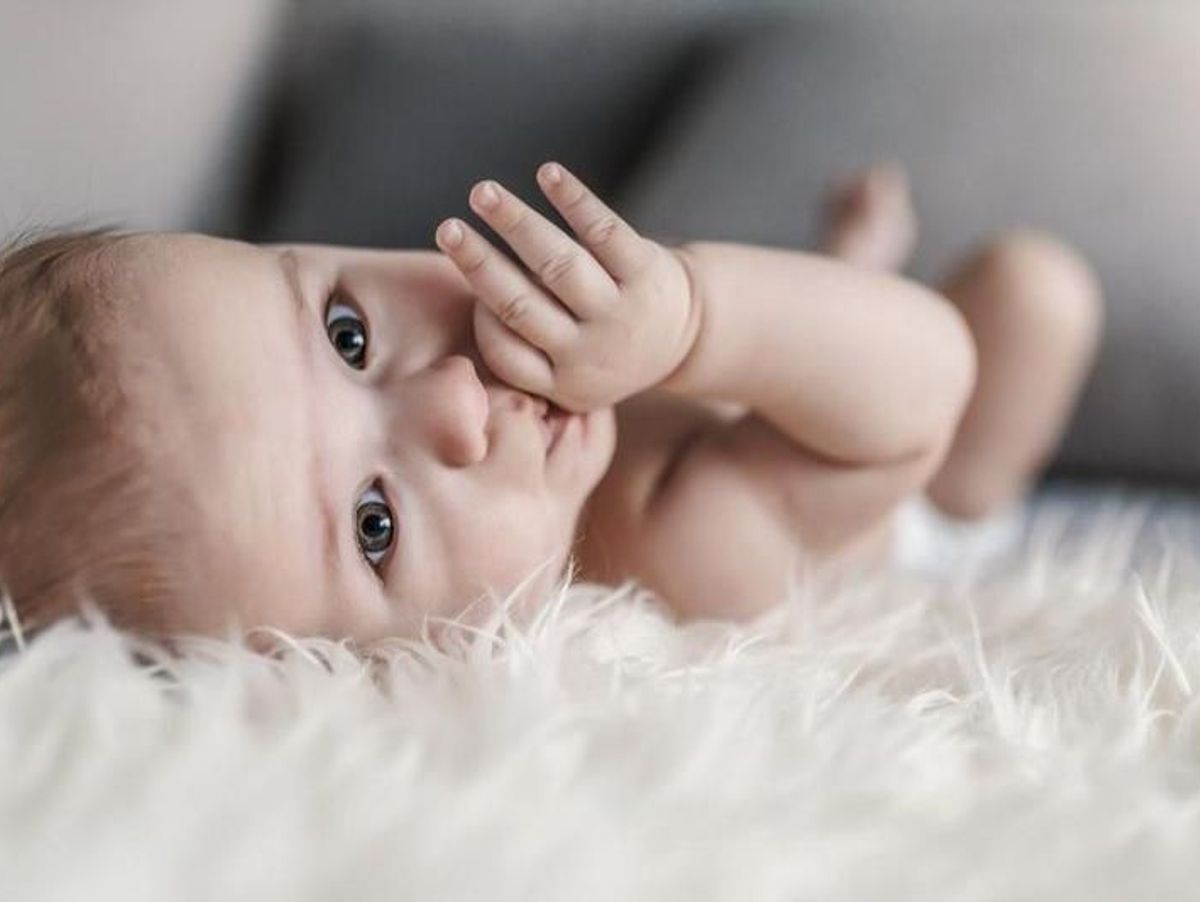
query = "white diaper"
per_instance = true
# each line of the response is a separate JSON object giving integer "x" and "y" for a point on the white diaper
{"x": 926, "y": 540}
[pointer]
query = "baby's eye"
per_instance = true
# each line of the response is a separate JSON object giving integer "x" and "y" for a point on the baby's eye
{"x": 374, "y": 526}
{"x": 347, "y": 333}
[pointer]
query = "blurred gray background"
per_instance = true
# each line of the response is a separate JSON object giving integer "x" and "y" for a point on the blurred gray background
{"x": 366, "y": 122}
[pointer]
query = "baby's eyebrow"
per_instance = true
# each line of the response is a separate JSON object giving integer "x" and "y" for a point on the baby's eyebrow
{"x": 290, "y": 266}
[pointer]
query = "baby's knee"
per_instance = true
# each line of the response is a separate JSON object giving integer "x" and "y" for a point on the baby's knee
{"x": 1040, "y": 281}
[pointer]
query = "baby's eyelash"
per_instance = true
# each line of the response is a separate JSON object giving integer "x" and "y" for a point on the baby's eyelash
{"x": 338, "y": 298}
{"x": 337, "y": 307}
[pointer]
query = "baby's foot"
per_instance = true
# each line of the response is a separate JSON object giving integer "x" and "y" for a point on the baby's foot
{"x": 870, "y": 220}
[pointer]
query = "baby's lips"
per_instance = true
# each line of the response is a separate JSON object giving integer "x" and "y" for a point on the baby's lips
{"x": 515, "y": 397}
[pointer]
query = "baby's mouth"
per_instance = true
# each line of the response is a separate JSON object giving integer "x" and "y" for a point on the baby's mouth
{"x": 554, "y": 421}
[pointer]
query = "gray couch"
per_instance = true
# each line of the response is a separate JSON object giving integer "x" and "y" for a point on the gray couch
{"x": 365, "y": 123}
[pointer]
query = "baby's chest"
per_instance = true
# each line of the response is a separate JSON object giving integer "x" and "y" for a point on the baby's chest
{"x": 701, "y": 545}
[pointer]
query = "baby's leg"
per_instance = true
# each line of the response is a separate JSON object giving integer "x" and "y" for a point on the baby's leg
{"x": 1035, "y": 311}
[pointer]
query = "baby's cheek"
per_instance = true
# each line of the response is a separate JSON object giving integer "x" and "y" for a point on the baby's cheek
{"x": 526, "y": 560}
{"x": 604, "y": 447}
{"x": 530, "y": 559}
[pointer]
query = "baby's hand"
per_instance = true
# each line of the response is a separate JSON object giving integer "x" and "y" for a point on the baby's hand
{"x": 588, "y": 325}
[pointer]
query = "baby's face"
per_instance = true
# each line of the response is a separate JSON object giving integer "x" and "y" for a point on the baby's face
{"x": 354, "y": 464}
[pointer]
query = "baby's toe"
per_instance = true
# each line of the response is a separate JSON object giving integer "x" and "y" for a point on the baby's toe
{"x": 870, "y": 220}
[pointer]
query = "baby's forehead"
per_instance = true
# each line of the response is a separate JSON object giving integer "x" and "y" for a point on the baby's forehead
{"x": 190, "y": 284}
{"x": 207, "y": 329}
{"x": 181, "y": 257}
{"x": 212, "y": 360}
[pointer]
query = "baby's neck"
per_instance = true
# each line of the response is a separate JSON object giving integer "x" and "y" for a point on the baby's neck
{"x": 584, "y": 545}
{"x": 600, "y": 547}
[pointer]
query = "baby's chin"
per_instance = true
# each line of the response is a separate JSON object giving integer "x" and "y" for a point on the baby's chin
{"x": 519, "y": 605}
{"x": 603, "y": 423}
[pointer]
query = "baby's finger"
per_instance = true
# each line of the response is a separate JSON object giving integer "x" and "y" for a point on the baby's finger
{"x": 510, "y": 357}
{"x": 560, "y": 264}
{"x": 516, "y": 301}
{"x": 615, "y": 243}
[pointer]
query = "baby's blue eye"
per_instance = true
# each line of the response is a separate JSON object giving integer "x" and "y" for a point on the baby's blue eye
{"x": 374, "y": 526}
{"x": 347, "y": 333}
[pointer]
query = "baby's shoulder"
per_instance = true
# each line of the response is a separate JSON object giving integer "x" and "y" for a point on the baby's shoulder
{"x": 673, "y": 512}
{"x": 654, "y": 432}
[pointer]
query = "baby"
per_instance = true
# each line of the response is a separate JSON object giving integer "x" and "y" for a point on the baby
{"x": 198, "y": 432}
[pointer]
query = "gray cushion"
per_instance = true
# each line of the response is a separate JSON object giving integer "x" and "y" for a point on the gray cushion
{"x": 389, "y": 121}
{"x": 1081, "y": 119}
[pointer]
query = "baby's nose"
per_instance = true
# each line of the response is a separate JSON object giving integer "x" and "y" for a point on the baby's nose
{"x": 452, "y": 407}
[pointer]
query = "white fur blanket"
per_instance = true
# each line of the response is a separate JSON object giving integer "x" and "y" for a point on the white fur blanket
{"x": 1029, "y": 734}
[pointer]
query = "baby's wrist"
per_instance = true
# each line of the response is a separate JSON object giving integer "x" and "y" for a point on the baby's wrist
{"x": 693, "y": 303}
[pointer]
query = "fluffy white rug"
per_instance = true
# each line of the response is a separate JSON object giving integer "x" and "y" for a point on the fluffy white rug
{"x": 1028, "y": 734}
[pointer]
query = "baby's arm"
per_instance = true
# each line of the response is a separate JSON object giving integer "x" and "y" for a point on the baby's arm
{"x": 856, "y": 367}
{"x": 854, "y": 384}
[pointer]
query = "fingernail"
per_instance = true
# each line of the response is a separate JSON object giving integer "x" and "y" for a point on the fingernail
{"x": 551, "y": 174}
{"x": 450, "y": 234}
{"x": 486, "y": 195}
